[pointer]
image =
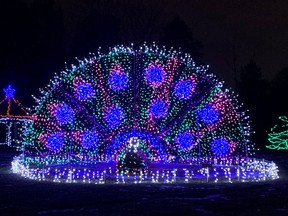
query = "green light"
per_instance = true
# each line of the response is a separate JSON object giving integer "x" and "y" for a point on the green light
{"x": 278, "y": 137}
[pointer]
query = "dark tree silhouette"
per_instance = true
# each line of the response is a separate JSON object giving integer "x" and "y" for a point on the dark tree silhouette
{"x": 255, "y": 94}
{"x": 95, "y": 30}
{"x": 280, "y": 91}
{"x": 140, "y": 20}
{"x": 178, "y": 34}
{"x": 48, "y": 31}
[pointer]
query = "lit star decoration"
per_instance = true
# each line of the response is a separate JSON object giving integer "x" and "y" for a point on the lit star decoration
{"x": 9, "y": 91}
{"x": 149, "y": 107}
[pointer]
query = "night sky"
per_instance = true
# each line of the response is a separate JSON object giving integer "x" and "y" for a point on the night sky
{"x": 245, "y": 42}
{"x": 257, "y": 28}
{"x": 37, "y": 38}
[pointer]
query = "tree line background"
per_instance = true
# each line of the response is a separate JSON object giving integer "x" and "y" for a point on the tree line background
{"x": 38, "y": 36}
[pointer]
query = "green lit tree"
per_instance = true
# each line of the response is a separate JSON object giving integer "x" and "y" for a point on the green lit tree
{"x": 278, "y": 137}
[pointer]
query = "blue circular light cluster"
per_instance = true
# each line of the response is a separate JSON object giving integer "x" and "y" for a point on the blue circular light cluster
{"x": 185, "y": 140}
{"x": 85, "y": 91}
{"x": 155, "y": 75}
{"x": 208, "y": 114}
{"x": 63, "y": 113}
{"x": 118, "y": 81}
{"x": 55, "y": 141}
{"x": 158, "y": 108}
{"x": 89, "y": 139}
{"x": 114, "y": 116}
{"x": 220, "y": 147}
{"x": 183, "y": 89}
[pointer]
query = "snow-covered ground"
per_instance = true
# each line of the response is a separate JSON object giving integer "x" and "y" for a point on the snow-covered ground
{"x": 19, "y": 196}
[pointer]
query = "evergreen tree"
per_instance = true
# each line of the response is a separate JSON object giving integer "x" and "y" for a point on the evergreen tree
{"x": 255, "y": 94}
{"x": 278, "y": 137}
{"x": 279, "y": 92}
{"x": 96, "y": 30}
{"x": 178, "y": 34}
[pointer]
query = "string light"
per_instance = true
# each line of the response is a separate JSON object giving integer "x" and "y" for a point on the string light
{"x": 185, "y": 140}
{"x": 208, "y": 114}
{"x": 89, "y": 139}
{"x": 144, "y": 114}
{"x": 62, "y": 112}
{"x": 114, "y": 116}
{"x": 9, "y": 92}
{"x": 220, "y": 146}
{"x": 278, "y": 137}
{"x": 118, "y": 80}
{"x": 155, "y": 75}
{"x": 54, "y": 141}
{"x": 183, "y": 89}
{"x": 158, "y": 109}
{"x": 85, "y": 91}
{"x": 16, "y": 118}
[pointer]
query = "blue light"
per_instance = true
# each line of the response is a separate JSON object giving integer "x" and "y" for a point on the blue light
{"x": 208, "y": 114}
{"x": 152, "y": 140}
{"x": 85, "y": 91}
{"x": 220, "y": 147}
{"x": 114, "y": 116}
{"x": 63, "y": 113}
{"x": 185, "y": 140}
{"x": 89, "y": 139}
{"x": 183, "y": 89}
{"x": 158, "y": 109}
{"x": 155, "y": 75}
{"x": 9, "y": 91}
{"x": 55, "y": 141}
{"x": 118, "y": 81}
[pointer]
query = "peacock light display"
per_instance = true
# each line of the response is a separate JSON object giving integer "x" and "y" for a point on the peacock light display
{"x": 146, "y": 113}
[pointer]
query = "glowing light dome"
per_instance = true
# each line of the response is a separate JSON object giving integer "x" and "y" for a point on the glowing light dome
{"x": 141, "y": 112}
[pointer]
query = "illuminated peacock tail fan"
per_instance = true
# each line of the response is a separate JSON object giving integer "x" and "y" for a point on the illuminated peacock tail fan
{"x": 152, "y": 100}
